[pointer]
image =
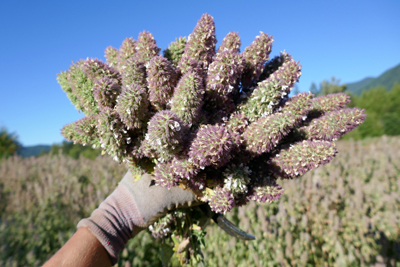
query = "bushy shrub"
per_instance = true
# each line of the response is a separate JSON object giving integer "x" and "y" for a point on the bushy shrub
{"x": 346, "y": 213}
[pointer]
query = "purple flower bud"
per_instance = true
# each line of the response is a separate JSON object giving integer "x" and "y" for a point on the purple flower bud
{"x": 231, "y": 42}
{"x": 328, "y": 103}
{"x": 301, "y": 158}
{"x": 299, "y": 105}
{"x": 211, "y": 147}
{"x": 200, "y": 48}
{"x": 334, "y": 124}
{"x": 111, "y": 54}
{"x": 164, "y": 176}
{"x": 238, "y": 123}
{"x": 224, "y": 71}
{"x": 146, "y": 47}
{"x": 264, "y": 134}
{"x": 255, "y": 56}
{"x": 175, "y": 50}
{"x": 166, "y": 133}
{"x": 188, "y": 98}
{"x": 266, "y": 193}
{"x": 274, "y": 64}
{"x": 105, "y": 92}
{"x": 222, "y": 201}
{"x": 162, "y": 80}
{"x": 114, "y": 137}
{"x": 269, "y": 93}
{"x": 126, "y": 51}
{"x": 96, "y": 69}
{"x": 133, "y": 106}
{"x": 184, "y": 168}
{"x": 134, "y": 72}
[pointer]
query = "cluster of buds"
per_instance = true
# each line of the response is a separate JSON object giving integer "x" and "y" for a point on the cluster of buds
{"x": 214, "y": 121}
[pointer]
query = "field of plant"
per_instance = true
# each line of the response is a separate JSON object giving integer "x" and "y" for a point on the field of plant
{"x": 346, "y": 213}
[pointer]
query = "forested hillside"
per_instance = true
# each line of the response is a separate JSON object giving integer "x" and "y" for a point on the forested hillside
{"x": 387, "y": 80}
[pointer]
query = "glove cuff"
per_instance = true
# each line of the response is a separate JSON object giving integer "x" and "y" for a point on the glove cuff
{"x": 115, "y": 221}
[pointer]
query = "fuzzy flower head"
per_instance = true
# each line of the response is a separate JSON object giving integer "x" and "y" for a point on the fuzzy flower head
{"x": 162, "y": 80}
{"x": 78, "y": 86}
{"x": 222, "y": 201}
{"x": 106, "y": 91}
{"x": 166, "y": 133}
{"x": 334, "y": 124}
{"x": 267, "y": 193}
{"x": 184, "y": 168}
{"x": 96, "y": 69}
{"x": 211, "y": 147}
{"x": 64, "y": 79}
{"x": 302, "y": 157}
{"x": 237, "y": 178}
{"x": 175, "y": 50}
{"x": 269, "y": 94}
{"x": 146, "y": 47}
{"x": 299, "y": 105}
{"x": 264, "y": 134}
{"x": 274, "y": 64}
{"x": 224, "y": 71}
{"x": 126, "y": 51}
{"x": 134, "y": 72}
{"x": 237, "y": 122}
{"x": 187, "y": 100}
{"x": 327, "y": 103}
{"x": 113, "y": 134}
{"x": 164, "y": 176}
{"x": 231, "y": 42}
{"x": 255, "y": 56}
{"x": 111, "y": 54}
{"x": 133, "y": 106}
{"x": 200, "y": 48}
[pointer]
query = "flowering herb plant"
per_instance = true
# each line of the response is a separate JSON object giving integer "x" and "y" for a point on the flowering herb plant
{"x": 218, "y": 122}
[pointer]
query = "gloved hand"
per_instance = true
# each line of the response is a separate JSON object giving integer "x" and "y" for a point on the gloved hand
{"x": 132, "y": 207}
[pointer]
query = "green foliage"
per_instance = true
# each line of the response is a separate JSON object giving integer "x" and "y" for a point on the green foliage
{"x": 74, "y": 150}
{"x": 9, "y": 144}
{"x": 383, "y": 112}
{"x": 328, "y": 87}
{"x": 343, "y": 214}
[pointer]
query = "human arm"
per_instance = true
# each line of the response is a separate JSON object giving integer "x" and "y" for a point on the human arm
{"x": 83, "y": 249}
{"x": 132, "y": 207}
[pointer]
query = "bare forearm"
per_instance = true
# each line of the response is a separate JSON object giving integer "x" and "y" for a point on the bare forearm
{"x": 83, "y": 249}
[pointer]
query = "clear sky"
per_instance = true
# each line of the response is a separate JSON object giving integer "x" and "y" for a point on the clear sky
{"x": 346, "y": 39}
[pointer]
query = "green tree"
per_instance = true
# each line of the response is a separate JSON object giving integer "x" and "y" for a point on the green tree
{"x": 9, "y": 144}
{"x": 328, "y": 87}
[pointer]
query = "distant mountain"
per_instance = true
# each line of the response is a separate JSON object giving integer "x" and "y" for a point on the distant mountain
{"x": 387, "y": 79}
{"x": 29, "y": 151}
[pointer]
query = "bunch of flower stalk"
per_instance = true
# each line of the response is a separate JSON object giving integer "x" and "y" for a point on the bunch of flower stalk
{"x": 218, "y": 122}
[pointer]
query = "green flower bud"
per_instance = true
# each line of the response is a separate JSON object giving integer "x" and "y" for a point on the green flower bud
{"x": 175, "y": 50}
{"x": 187, "y": 100}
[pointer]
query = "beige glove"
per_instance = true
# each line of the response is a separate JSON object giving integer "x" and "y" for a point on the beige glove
{"x": 132, "y": 207}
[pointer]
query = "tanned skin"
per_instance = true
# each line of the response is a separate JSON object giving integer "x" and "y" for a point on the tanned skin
{"x": 82, "y": 250}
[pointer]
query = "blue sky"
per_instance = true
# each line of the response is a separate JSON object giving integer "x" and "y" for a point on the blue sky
{"x": 346, "y": 39}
